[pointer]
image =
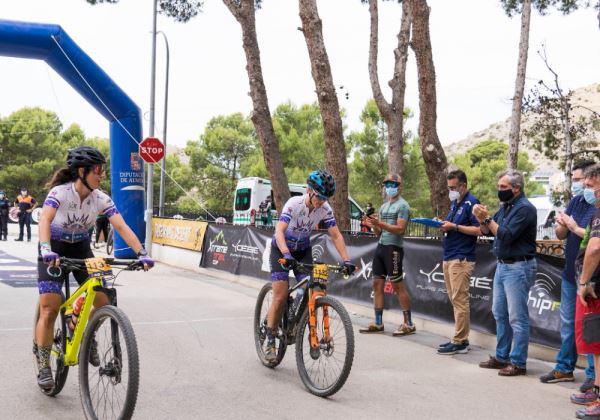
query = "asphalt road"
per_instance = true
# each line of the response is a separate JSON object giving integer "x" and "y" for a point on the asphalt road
{"x": 198, "y": 361}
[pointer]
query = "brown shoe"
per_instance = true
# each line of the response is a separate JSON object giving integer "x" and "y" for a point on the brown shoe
{"x": 493, "y": 363}
{"x": 512, "y": 370}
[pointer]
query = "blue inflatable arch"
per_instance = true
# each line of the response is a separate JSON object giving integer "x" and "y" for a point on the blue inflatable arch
{"x": 52, "y": 44}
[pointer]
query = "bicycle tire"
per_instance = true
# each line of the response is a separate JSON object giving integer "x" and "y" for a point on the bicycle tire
{"x": 57, "y": 355}
{"x": 259, "y": 332}
{"x": 347, "y": 343}
{"x": 109, "y": 243}
{"x": 118, "y": 333}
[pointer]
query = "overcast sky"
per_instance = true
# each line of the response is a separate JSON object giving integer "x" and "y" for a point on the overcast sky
{"x": 475, "y": 51}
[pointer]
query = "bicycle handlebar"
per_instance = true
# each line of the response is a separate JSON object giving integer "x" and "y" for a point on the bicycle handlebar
{"x": 307, "y": 267}
{"x": 77, "y": 263}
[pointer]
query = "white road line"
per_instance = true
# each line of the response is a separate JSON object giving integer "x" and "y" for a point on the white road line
{"x": 17, "y": 268}
{"x": 180, "y": 321}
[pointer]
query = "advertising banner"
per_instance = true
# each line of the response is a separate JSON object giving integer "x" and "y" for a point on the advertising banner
{"x": 186, "y": 234}
{"x": 245, "y": 250}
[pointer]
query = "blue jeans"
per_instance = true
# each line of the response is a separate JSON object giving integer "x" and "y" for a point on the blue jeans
{"x": 567, "y": 355}
{"x": 511, "y": 291}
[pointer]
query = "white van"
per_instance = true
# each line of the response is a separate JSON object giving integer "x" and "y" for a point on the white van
{"x": 252, "y": 191}
{"x": 546, "y": 215}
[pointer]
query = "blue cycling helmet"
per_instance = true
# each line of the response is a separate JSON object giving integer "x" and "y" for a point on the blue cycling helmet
{"x": 321, "y": 182}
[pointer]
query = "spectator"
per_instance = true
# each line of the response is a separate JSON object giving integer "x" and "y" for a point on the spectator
{"x": 26, "y": 204}
{"x": 266, "y": 217}
{"x": 588, "y": 303}
{"x": 514, "y": 228}
{"x": 4, "y": 209}
{"x": 571, "y": 226}
{"x": 369, "y": 210}
{"x": 101, "y": 227}
{"x": 387, "y": 261}
{"x": 261, "y": 211}
{"x": 460, "y": 229}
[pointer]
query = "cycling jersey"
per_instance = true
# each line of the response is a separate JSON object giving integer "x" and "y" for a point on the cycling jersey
{"x": 75, "y": 217}
{"x": 301, "y": 222}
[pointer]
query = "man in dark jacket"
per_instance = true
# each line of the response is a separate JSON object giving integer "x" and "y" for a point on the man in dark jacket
{"x": 4, "y": 208}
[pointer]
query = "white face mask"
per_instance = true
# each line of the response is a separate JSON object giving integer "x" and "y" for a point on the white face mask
{"x": 24, "y": 192}
{"x": 453, "y": 195}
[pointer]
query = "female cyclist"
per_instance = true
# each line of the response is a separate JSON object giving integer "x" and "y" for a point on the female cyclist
{"x": 291, "y": 241}
{"x": 69, "y": 210}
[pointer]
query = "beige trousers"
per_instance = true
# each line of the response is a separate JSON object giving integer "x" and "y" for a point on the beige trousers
{"x": 457, "y": 276}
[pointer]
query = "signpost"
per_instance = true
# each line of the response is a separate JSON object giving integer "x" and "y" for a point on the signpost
{"x": 152, "y": 150}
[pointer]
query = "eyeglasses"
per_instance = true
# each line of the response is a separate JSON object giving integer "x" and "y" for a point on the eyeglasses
{"x": 454, "y": 188}
{"x": 390, "y": 184}
{"x": 98, "y": 169}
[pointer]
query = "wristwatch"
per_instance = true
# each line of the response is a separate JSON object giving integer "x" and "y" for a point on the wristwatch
{"x": 486, "y": 221}
{"x": 142, "y": 253}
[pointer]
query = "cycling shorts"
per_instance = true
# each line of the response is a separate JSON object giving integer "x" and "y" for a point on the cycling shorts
{"x": 387, "y": 262}
{"x": 278, "y": 273}
{"x": 49, "y": 284}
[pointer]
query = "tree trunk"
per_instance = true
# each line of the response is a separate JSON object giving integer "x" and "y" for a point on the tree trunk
{"x": 515, "y": 120}
{"x": 393, "y": 114}
{"x": 261, "y": 115}
{"x": 329, "y": 106}
{"x": 433, "y": 153}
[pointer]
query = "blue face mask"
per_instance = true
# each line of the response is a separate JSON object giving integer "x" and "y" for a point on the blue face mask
{"x": 391, "y": 191}
{"x": 577, "y": 188}
{"x": 590, "y": 196}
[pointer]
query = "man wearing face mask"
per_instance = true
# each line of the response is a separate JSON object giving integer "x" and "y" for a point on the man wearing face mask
{"x": 4, "y": 209}
{"x": 387, "y": 261}
{"x": 461, "y": 229}
{"x": 571, "y": 226}
{"x": 26, "y": 204}
{"x": 514, "y": 227}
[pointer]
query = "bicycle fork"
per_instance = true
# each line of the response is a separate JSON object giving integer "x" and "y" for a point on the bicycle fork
{"x": 312, "y": 320}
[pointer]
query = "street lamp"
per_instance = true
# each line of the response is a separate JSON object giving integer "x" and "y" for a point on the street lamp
{"x": 163, "y": 172}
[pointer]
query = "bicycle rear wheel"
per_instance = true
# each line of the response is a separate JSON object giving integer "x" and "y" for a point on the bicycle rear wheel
{"x": 109, "y": 390}
{"x": 57, "y": 354}
{"x": 325, "y": 370}
{"x": 263, "y": 303}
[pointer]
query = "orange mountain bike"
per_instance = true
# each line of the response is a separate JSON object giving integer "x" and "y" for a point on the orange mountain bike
{"x": 318, "y": 324}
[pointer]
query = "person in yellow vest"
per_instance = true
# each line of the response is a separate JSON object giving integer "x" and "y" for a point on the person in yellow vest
{"x": 26, "y": 204}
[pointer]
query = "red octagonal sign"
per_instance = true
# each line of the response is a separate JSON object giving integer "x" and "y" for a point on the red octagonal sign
{"x": 151, "y": 150}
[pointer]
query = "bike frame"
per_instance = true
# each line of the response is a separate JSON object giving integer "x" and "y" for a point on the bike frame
{"x": 98, "y": 269}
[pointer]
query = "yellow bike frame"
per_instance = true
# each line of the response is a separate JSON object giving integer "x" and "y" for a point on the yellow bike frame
{"x": 97, "y": 269}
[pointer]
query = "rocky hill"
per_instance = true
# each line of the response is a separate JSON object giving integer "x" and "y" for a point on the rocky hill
{"x": 588, "y": 96}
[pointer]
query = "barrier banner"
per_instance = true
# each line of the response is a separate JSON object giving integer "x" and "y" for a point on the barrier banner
{"x": 188, "y": 234}
{"x": 245, "y": 250}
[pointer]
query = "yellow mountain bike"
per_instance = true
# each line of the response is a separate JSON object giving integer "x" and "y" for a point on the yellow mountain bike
{"x": 110, "y": 389}
{"x": 318, "y": 324}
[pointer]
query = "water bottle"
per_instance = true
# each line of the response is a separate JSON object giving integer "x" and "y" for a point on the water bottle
{"x": 76, "y": 311}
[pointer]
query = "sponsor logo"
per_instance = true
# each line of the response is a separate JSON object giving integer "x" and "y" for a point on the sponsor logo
{"x": 540, "y": 294}
{"x": 317, "y": 252}
{"x": 218, "y": 247}
{"x": 480, "y": 286}
{"x": 136, "y": 162}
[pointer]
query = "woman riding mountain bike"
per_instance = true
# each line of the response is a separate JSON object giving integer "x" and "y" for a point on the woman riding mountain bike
{"x": 291, "y": 242}
{"x": 69, "y": 210}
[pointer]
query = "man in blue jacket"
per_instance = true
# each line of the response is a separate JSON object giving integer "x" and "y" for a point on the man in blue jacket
{"x": 514, "y": 227}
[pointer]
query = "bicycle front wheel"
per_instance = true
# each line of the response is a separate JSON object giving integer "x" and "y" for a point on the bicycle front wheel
{"x": 263, "y": 303}
{"x": 324, "y": 370}
{"x": 57, "y": 353}
{"x": 110, "y": 389}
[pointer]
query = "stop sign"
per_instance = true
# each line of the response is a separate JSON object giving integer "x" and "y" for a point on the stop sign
{"x": 151, "y": 150}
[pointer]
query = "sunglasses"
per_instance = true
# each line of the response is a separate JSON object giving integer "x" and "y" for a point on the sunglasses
{"x": 390, "y": 184}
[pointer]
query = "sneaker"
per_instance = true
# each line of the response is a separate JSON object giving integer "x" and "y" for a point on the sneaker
{"x": 405, "y": 329}
{"x": 440, "y": 346}
{"x": 271, "y": 352}
{"x": 587, "y": 384}
{"x": 555, "y": 376}
{"x": 45, "y": 379}
{"x": 94, "y": 358}
{"x": 584, "y": 398}
{"x": 372, "y": 328}
{"x": 454, "y": 349}
{"x": 591, "y": 412}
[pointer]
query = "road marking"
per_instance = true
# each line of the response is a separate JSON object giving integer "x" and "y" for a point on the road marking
{"x": 17, "y": 268}
{"x": 179, "y": 321}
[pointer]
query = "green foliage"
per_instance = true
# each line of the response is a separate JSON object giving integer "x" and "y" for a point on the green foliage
{"x": 179, "y": 180}
{"x": 483, "y": 162}
{"x": 299, "y": 132}
{"x": 513, "y": 7}
{"x": 369, "y": 164}
{"x": 216, "y": 158}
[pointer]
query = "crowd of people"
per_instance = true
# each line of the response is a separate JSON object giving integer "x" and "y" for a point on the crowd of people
{"x": 513, "y": 227}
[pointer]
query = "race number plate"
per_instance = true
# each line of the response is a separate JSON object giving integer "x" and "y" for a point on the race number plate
{"x": 98, "y": 267}
{"x": 320, "y": 273}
